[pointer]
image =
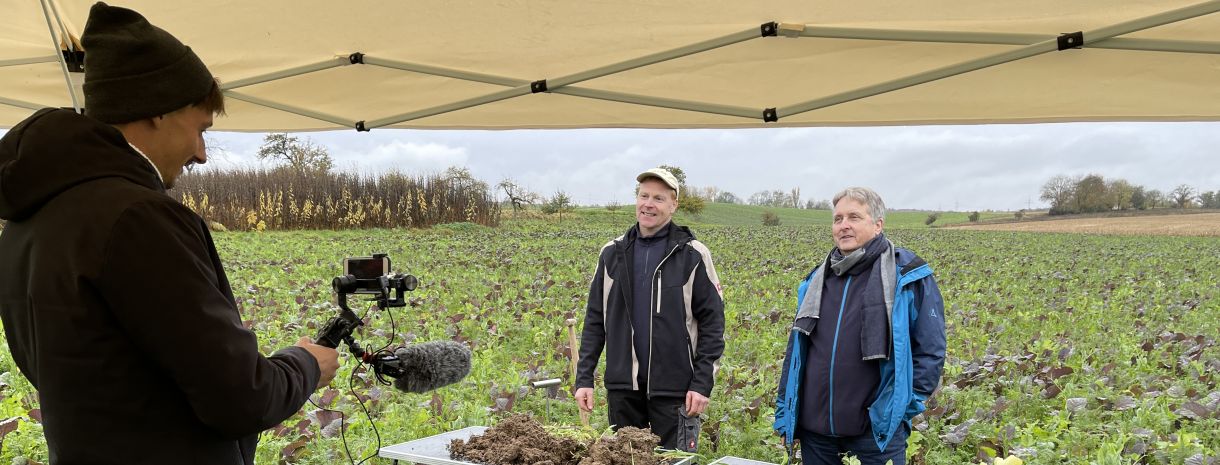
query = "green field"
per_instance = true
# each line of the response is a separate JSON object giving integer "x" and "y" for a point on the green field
{"x": 723, "y": 214}
{"x": 748, "y": 215}
{"x": 1062, "y": 348}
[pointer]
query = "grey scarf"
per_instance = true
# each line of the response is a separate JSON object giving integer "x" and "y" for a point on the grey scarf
{"x": 875, "y": 338}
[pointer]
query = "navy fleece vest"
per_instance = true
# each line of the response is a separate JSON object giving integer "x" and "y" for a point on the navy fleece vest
{"x": 839, "y": 386}
{"x": 647, "y": 254}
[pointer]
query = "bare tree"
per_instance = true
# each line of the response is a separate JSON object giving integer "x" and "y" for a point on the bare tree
{"x": 1183, "y": 196}
{"x": 727, "y": 197}
{"x": 462, "y": 178}
{"x": 819, "y": 205}
{"x": 302, "y": 156}
{"x": 518, "y": 196}
{"x": 763, "y": 198}
{"x": 1059, "y": 191}
{"x": 708, "y": 193}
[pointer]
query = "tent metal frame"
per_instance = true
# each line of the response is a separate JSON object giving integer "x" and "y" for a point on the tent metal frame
{"x": 1029, "y": 45}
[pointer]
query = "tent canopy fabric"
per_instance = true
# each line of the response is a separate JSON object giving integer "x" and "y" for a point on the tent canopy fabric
{"x": 504, "y": 64}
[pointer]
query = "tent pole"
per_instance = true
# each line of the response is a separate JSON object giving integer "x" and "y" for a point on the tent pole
{"x": 448, "y": 107}
{"x": 597, "y": 94}
{"x": 702, "y": 107}
{"x": 71, "y": 46}
{"x": 1151, "y": 21}
{"x": 287, "y": 73}
{"x": 1039, "y": 48}
{"x": 291, "y": 109}
{"x": 654, "y": 58}
{"x": 557, "y": 84}
{"x": 63, "y": 65}
{"x": 21, "y": 103}
{"x": 1004, "y": 38}
{"x": 915, "y": 35}
{"x": 1158, "y": 45}
{"x": 445, "y": 72}
{"x": 26, "y": 61}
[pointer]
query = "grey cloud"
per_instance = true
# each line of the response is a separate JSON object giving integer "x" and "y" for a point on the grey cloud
{"x": 998, "y": 167}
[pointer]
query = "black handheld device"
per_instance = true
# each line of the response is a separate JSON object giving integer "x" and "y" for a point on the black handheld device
{"x": 363, "y": 275}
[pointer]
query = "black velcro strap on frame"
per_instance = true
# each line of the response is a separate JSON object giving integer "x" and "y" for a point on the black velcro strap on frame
{"x": 1071, "y": 40}
{"x": 75, "y": 60}
{"x": 538, "y": 86}
{"x": 770, "y": 115}
{"x": 360, "y": 127}
{"x": 356, "y": 58}
{"x": 770, "y": 29}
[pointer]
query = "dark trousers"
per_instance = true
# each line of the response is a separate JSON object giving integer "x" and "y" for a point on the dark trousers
{"x": 634, "y": 408}
{"x": 817, "y": 449}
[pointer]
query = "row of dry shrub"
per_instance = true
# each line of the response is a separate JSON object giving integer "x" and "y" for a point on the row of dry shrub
{"x": 261, "y": 199}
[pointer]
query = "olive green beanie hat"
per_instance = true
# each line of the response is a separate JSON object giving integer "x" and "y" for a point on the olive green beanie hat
{"x": 134, "y": 70}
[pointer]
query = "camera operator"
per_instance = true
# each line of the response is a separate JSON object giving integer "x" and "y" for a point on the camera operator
{"x": 114, "y": 301}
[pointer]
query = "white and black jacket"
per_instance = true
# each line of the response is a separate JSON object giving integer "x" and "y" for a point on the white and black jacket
{"x": 687, "y": 319}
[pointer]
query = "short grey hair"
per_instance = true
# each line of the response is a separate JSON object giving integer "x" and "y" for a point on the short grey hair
{"x": 866, "y": 196}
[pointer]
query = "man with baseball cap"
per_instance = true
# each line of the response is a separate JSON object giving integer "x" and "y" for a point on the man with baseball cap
{"x": 655, "y": 308}
{"x": 114, "y": 300}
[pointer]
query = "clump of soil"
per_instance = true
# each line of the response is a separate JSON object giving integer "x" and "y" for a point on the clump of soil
{"x": 629, "y": 446}
{"x": 520, "y": 439}
{"x": 517, "y": 440}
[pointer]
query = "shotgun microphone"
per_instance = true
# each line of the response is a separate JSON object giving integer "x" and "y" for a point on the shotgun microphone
{"x": 425, "y": 367}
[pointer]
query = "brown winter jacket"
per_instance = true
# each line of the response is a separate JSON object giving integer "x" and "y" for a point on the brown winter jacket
{"x": 116, "y": 307}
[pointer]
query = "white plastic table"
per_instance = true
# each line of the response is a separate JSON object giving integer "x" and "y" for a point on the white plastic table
{"x": 432, "y": 450}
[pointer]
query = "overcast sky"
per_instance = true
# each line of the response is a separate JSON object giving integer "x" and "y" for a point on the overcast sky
{"x": 1000, "y": 167}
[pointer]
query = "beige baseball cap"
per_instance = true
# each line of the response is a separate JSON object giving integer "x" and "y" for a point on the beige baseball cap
{"x": 663, "y": 174}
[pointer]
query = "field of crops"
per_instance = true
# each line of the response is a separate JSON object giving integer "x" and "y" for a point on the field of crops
{"x": 1062, "y": 348}
{"x": 1203, "y": 224}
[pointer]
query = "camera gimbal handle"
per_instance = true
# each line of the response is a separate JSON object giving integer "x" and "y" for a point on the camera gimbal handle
{"x": 340, "y": 328}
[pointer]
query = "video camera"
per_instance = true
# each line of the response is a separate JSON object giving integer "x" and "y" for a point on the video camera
{"x": 369, "y": 276}
{"x": 417, "y": 368}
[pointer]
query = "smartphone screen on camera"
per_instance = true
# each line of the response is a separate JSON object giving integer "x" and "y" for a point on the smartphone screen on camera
{"x": 366, "y": 267}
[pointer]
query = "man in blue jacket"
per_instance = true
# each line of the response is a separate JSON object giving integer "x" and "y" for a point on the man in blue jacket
{"x": 655, "y": 308}
{"x": 867, "y": 347}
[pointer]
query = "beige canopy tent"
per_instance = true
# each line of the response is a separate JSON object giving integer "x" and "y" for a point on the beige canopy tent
{"x": 499, "y": 64}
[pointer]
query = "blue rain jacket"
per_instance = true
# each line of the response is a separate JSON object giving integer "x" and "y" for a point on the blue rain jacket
{"x": 910, "y": 374}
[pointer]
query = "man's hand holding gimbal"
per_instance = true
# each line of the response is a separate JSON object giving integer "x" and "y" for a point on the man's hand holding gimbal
{"x": 328, "y": 359}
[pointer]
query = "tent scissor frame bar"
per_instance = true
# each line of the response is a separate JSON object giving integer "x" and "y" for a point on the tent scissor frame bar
{"x": 20, "y": 104}
{"x": 1006, "y": 38}
{"x": 1028, "y": 51}
{"x": 1030, "y": 45}
{"x": 28, "y": 61}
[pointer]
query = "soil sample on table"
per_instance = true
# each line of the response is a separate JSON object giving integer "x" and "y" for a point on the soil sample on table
{"x": 628, "y": 446}
{"x": 520, "y": 439}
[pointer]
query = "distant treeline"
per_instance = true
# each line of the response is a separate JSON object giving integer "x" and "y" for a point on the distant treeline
{"x": 287, "y": 198}
{"x": 1093, "y": 193}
